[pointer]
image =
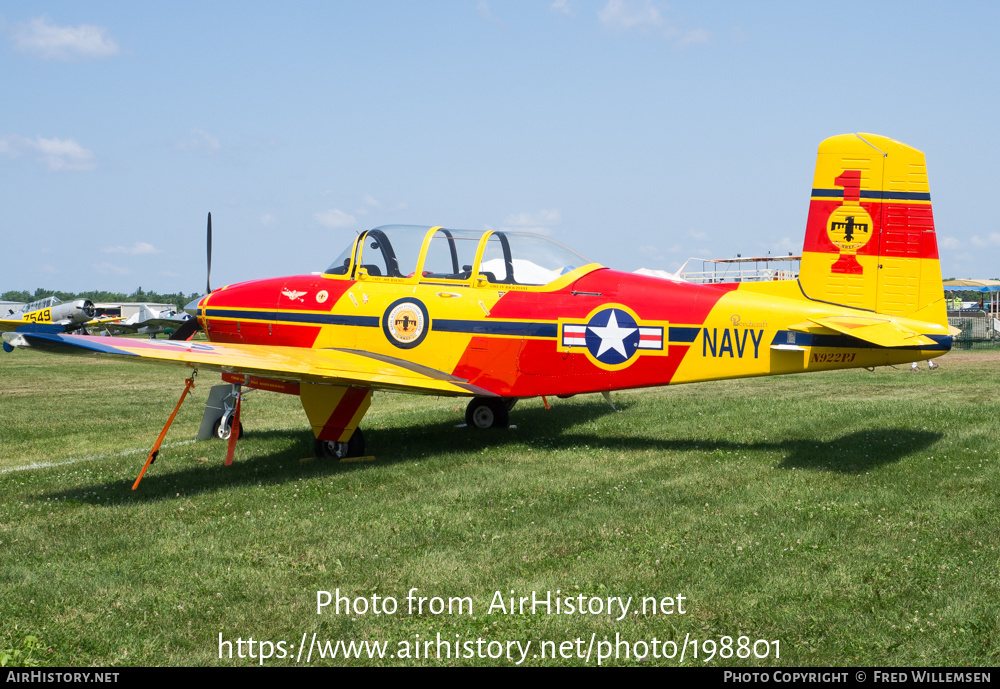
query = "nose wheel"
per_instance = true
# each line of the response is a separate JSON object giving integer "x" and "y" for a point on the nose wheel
{"x": 333, "y": 449}
{"x": 489, "y": 412}
{"x": 223, "y": 428}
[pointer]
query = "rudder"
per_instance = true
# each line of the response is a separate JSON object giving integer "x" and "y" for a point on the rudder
{"x": 870, "y": 240}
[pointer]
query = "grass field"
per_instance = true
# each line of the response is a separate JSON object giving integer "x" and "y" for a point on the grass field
{"x": 850, "y": 516}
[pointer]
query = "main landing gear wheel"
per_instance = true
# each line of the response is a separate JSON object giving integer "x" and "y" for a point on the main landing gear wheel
{"x": 355, "y": 447}
{"x": 488, "y": 412}
{"x": 223, "y": 432}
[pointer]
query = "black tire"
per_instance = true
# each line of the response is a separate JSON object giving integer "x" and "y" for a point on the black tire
{"x": 223, "y": 433}
{"x": 331, "y": 449}
{"x": 356, "y": 445}
{"x": 487, "y": 412}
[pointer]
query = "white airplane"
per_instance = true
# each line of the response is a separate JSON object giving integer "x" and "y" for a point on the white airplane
{"x": 148, "y": 322}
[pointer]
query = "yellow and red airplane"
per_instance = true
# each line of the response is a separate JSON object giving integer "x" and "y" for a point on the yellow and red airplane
{"x": 499, "y": 316}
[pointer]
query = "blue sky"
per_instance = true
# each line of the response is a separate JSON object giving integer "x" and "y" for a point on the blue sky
{"x": 638, "y": 132}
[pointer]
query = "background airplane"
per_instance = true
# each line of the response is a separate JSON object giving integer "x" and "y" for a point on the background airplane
{"x": 499, "y": 316}
{"x": 74, "y": 315}
{"x": 148, "y": 321}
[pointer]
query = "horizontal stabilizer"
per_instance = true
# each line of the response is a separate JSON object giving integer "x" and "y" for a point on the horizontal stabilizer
{"x": 813, "y": 329}
{"x": 879, "y": 331}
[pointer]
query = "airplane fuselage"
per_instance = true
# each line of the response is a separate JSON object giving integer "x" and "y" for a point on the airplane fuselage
{"x": 592, "y": 330}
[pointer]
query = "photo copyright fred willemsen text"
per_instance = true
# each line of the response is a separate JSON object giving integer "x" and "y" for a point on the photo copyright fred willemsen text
{"x": 443, "y": 647}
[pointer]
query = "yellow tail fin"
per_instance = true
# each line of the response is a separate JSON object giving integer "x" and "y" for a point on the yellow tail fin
{"x": 870, "y": 240}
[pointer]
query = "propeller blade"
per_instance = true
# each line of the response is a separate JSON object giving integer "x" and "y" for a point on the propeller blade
{"x": 186, "y": 330}
{"x": 208, "y": 280}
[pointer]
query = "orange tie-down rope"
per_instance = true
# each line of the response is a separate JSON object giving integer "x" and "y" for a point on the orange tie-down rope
{"x": 188, "y": 384}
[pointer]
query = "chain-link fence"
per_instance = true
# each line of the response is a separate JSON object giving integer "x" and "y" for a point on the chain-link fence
{"x": 977, "y": 328}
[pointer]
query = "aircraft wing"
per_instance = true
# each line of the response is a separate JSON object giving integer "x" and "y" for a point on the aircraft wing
{"x": 9, "y": 325}
{"x": 162, "y": 323}
{"x": 119, "y": 328}
{"x": 878, "y": 330}
{"x": 334, "y": 366}
{"x": 103, "y": 320}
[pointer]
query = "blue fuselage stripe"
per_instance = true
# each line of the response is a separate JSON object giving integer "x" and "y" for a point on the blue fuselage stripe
{"x": 875, "y": 195}
{"x": 684, "y": 334}
{"x": 524, "y": 329}
{"x": 484, "y": 327}
{"x": 782, "y": 337}
{"x": 295, "y": 317}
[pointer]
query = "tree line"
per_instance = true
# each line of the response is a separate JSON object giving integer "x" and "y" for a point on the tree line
{"x": 178, "y": 299}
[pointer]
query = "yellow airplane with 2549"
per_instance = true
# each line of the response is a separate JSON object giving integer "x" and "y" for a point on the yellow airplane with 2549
{"x": 498, "y": 316}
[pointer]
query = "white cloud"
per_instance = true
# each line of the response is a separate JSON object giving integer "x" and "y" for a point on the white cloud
{"x": 643, "y": 16}
{"x": 57, "y": 154}
{"x": 483, "y": 7}
{"x": 335, "y": 219}
{"x": 949, "y": 243}
{"x": 623, "y": 15}
{"x": 784, "y": 245}
{"x": 199, "y": 140}
{"x": 562, "y": 6}
{"x": 699, "y": 236}
{"x": 64, "y": 154}
{"x": 42, "y": 38}
{"x": 137, "y": 249}
{"x": 685, "y": 38}
{"x": 992, "y": 240}
{"x": 267, "y": 220}
{"x": 540, "y": 222}
{"x": 651, "y": 251}
{"x": 370, "y": 204}
{"x": 110, "y": 269}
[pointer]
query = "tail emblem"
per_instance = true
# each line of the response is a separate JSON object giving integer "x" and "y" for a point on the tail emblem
{"x": 849, "y": 227}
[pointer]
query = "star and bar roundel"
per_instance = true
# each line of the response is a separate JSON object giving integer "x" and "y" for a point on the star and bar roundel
{"x": 613, "y": 337}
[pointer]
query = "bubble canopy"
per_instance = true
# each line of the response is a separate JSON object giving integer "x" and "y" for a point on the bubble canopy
{"x": 425, "y": 253}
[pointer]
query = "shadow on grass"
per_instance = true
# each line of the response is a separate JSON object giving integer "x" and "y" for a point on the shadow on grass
{"x": 853, "y": 453}
{"x": 858, "y": 452}
{"x": 392, "y": 446}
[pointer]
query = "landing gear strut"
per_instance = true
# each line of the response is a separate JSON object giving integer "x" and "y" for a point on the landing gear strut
{"x": 355, "y": 447}
{"x": 220, "y": 410}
